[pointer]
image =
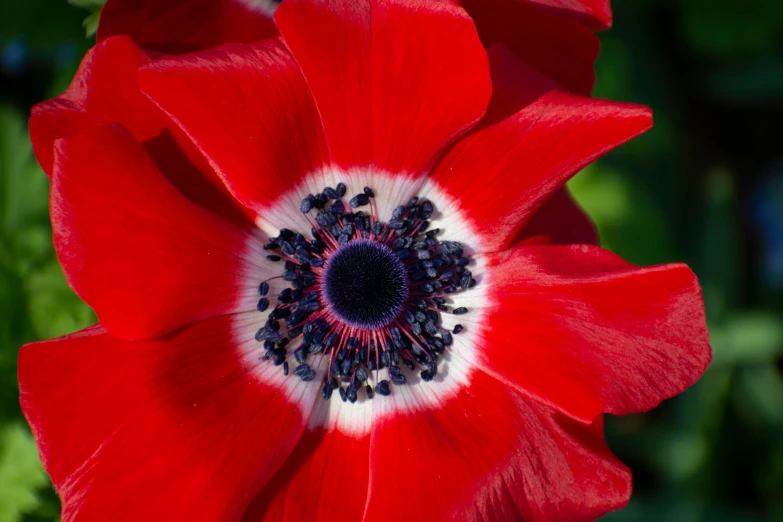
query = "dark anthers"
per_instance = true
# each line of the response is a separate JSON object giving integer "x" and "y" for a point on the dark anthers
{"x": 363, "y": 293}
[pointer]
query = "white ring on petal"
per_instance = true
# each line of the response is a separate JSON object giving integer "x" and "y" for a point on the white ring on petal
{"x": 455, "y": 366}
{"x": 255, "y": 268}
{"x": 391, "y": 190}
{"x": 450, "y": 218}
{"x": 244, "y": 327}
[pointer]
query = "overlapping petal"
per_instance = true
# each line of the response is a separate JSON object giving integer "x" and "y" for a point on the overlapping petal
{"x": 143, "y": 256}
{"x": 326, "y": 479}
{"x": 556, "y": 37}
{"x": 352, "y": 114}
{"x": 533, "y": 138}
{"x": 587, "y": 332}
{"x": 561, "y": 221}
{"x": 489, "y": 454}
{"x": 369, "y": 66}
{"x": 247, "y": 108}
{"x": 182, "y": 26}
{"x": 595, "y": 14}
{"x": 104, "y": 90}
{"x": 175, "y": 429}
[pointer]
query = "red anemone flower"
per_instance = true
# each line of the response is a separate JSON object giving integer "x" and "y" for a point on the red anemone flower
{"x": 338, "y": 279}
{"x": 554, "y": 36}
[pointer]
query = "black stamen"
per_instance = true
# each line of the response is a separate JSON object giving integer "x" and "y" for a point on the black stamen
{"x": 365, "y": 284}
{"x": 382, "y": 388}
{"x": 359, "y": 200}
{"x": 365, "y": 294}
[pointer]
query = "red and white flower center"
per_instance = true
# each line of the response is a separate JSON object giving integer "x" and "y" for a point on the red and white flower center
{"x": 365, "y": 295}
{"x": 365, "y": 306}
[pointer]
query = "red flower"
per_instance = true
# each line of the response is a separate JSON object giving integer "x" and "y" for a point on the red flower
{"x": 490, "y": 348}
{"x": 555, "y": 36}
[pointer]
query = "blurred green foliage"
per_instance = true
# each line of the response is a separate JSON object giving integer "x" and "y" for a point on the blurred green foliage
{"x": 686, "y": 191}
{"x": 36, "y": 303}
{"x": 94, "y": 7}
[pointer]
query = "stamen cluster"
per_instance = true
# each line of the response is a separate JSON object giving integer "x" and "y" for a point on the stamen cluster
{"x": 360, "y": 342}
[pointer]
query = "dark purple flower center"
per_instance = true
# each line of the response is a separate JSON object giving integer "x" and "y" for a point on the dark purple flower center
{"x": 365, "y": 283}
{"x": 365, "y": 296}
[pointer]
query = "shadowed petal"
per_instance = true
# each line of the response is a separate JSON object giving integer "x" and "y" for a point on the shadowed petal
{"x": 182, "y": 26}
{"x": 176, "y": 429}
{"x": 143, "y": 256}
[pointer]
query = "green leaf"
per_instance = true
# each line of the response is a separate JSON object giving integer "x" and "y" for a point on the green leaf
{"x": 25, "y": 235}
{"x": 92, "y": 5}
{"x": 604, "y": 193}
{"x": 729, "y": 29}
{"x": 628, "y": 220}
{"x": 53, "y": 307}
{"x": 680, "y": 454}
{"x": 760, "y": 391}
{"x": 24, "y": 190}
{"x": 747, "y": 338}
{"x": 42, "y": 24}
{"x": 21, "y": 473}
{"x": 91, "y": 23}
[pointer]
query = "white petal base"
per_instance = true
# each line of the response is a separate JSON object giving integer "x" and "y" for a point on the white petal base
{"x": 455, "y": 365}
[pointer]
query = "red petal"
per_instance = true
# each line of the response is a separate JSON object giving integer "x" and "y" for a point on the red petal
{"x": 550, "y": 35}
{"x": 492, "y": 454}
{"x": 324, "y": 480}
{"x": 196, "y": 179}
{"x": 394, "y": 82}
{"x": 588, "y": 332}
{"x": 595, "y": 14}
{"x": 147, "y": 259}
{"x": 105, "y": 87}
{"x": 248, "y": 110}
{"x": 180, "y": 26}
{"x": 532, "y": 140}
{"x": 561, "y": 221}
{"x": 169, "y": 430}
{"x": 104, "y": 90}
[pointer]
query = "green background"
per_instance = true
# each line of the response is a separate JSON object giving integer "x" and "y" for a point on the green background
{"x": 705, "y": 186}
